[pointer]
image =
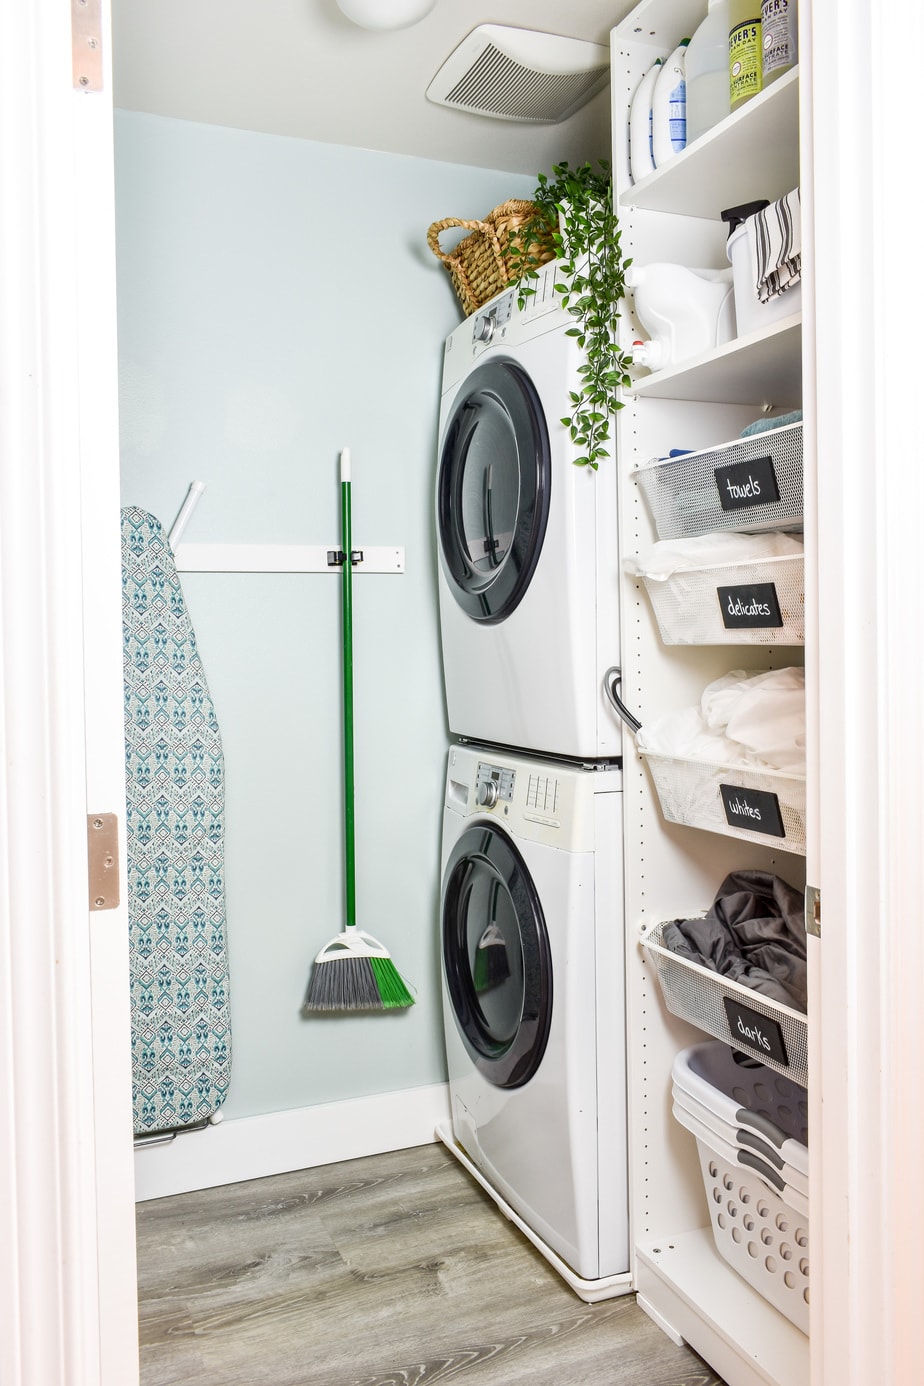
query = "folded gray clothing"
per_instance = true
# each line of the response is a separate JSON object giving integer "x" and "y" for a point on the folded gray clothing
{"x": 754, "y": 934}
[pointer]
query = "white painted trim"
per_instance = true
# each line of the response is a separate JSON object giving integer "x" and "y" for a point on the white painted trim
{"x": 254, "y": 1147}
{"x": 66, "y": 1236}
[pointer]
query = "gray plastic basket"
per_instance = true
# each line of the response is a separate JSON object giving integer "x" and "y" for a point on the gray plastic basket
{"x": 750, "y": 484}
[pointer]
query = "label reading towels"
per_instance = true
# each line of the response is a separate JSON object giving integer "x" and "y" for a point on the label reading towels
{"x": 747, "y": 483}
{"x": 757, "y": 1032}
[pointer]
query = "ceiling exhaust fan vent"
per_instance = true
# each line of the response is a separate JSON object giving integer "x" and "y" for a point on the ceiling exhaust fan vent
{"x": 519, "y": 74}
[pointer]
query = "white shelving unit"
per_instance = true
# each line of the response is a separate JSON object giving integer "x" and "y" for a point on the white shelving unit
{"x": 672, "y": 870}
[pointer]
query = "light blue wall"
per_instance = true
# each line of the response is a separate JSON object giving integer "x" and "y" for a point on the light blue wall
{"x": 277, "y": 300}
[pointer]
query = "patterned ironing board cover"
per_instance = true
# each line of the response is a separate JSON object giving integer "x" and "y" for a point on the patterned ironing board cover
{"x": 181, "y": 1035}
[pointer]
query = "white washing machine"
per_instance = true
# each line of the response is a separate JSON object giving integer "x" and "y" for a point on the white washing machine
{"x": 528, "y": 572}
{"x": 533, "y": 1002}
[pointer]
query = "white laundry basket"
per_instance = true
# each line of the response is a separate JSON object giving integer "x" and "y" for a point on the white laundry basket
{"x": 757, "y": 805}
{"x": 760, "y": 1229}
{"x": 692, "y": 606}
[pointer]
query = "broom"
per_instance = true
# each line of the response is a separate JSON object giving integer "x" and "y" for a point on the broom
{"x": 353, "y": 972}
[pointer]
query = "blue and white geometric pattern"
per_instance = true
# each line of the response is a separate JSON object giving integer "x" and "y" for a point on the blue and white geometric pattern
{"x": 181, "y": 1035}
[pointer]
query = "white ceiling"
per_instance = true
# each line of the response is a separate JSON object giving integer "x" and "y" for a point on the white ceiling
{"x": 298, "y": 67}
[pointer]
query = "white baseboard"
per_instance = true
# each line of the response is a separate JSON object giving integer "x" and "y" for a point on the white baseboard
{"x": 253, "y": 1147}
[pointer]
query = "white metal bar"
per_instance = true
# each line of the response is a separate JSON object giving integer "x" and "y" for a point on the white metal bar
{"x": 282, "y": 558}
{"x": 185, "y": 513}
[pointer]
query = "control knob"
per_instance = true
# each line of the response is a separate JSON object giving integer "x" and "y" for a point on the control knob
{"x": 487, "y": 794}
{"x": 483, "y": 329}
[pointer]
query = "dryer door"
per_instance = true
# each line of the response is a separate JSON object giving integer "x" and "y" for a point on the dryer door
{"x": 496, "y": 956}
{"x": 493, "y": 490}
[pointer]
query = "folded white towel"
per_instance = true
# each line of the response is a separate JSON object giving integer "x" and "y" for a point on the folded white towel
{"x": 776, "y": 245}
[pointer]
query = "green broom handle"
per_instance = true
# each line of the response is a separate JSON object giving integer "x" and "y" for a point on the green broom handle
{"x": 349, "y": 832}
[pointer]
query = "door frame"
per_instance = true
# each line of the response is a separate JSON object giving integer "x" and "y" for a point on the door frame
{"x": 67, "y": 1252}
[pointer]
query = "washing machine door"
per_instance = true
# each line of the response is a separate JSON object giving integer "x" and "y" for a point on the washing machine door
{"x": 493, "y": 490}
{"x": 496, "y": 956}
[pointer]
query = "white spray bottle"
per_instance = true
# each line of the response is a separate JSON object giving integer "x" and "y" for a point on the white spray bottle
{"x": 640, "y": 160}
{"x": 669, "y": 108}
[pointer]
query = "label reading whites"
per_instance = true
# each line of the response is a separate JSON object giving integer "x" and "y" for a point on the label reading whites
{"x": 756, "y": 1031}
{"x": 747, "y": 483}
{"x": 749, "y": 606}
{"x": 754, "y": 809}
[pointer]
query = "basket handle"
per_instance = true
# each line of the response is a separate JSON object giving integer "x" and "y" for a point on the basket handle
{"x": 433, "y": 235}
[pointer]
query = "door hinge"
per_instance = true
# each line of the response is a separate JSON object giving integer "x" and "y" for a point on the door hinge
{"x": 103, "y": 859}
{"x": 87, "y": 44}
{"x": 813, "y": 910}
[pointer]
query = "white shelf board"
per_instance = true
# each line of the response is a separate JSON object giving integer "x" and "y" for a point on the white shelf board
{"x": 683, "y": 1282}
{"x": 752, "y": 153}
{"x": 763, "y": 369}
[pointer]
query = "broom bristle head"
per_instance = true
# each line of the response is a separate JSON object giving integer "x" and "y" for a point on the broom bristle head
{"x": 342, "y": 984}
{"x": 392, "y": 990}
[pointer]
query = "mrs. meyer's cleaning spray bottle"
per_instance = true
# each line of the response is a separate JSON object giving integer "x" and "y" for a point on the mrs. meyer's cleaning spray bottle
{"x": 745, "y": 57}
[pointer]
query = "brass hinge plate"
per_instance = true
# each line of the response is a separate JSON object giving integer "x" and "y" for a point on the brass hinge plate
{"x": 103, "y": 858}
{"x": 813, "y": 911}
{"x": 87, "y": 44}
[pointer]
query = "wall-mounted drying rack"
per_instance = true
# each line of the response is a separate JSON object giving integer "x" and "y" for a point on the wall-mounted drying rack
{"x": 271, "y": 558}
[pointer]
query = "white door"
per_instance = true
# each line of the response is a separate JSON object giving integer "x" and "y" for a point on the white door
{"x": 67, "y": 1265}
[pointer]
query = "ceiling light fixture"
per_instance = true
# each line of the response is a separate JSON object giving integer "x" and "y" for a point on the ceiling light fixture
{"x": 385, "y": 14}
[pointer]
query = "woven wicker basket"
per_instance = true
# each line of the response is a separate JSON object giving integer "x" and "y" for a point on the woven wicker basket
{"x": 477, "y": 264}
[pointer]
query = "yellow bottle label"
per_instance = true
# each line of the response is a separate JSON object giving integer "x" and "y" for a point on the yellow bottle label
{"x": 745, "y": 62}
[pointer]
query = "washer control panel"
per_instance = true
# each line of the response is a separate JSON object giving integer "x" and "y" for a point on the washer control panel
{"x": 493, "y": 785}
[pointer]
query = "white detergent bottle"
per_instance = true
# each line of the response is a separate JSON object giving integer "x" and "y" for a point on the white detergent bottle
{"x": 669, "y": 108}
{"x": 706, "y": 71}
{"x": 640, "y": 160}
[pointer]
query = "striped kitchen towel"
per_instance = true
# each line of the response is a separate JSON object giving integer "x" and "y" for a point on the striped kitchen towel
{"x": 776, "y": 245}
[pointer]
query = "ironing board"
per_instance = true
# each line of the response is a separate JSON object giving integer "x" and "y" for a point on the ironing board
{"x": 181, "y": 1033}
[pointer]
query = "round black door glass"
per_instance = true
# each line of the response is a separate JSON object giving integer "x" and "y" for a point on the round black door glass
{"x": 493, "y": 490}
{"x": 496, "y": 957}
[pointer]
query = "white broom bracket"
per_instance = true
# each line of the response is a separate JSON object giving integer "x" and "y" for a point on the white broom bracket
{"x": 285, "y": 558}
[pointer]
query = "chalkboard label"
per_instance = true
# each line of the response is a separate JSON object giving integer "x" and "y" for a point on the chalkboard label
{"x": 754, "y": 809}
{"x": 755, "y": 1031}
{"x": 747, "y": 483}
{"x": 751, "y": 606}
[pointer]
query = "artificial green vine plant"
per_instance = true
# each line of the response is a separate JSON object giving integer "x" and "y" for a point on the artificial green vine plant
{"x": 576, "y": 206}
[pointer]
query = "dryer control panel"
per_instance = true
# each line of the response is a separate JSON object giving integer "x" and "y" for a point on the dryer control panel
{"x": 493, "y": 784}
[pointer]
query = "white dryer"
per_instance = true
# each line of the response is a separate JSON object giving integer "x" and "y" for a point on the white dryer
{"x": 528, "y": 571}
{"x": 533, "y": 1001}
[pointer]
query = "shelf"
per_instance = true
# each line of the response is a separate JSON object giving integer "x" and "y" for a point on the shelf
{"x": 685, "y": 1285}
{"x": 763, "y": 369}
{"x": 752, "y": 153}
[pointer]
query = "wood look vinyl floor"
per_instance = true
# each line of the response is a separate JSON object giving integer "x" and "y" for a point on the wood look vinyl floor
{"x": 395, "y": 1270}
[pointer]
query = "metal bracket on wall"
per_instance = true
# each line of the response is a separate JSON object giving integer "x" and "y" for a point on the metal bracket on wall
{"x": 103, "y": 860}
{"x": 87, "y": 44}
{"x": 283, "y": 558}
{"x": 813, "y": 911}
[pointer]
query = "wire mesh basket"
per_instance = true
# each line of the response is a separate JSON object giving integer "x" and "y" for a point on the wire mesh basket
{"x": 763, "y": 806}
{"x": 701, "y": 997}
{"x": 760, "y": 603}
{"x": 750, "y": 484}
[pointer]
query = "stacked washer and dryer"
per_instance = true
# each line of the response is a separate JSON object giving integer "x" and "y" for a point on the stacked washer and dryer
{"x": 532, "y": 898}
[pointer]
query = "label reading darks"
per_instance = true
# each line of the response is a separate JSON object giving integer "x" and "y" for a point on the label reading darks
{"x": 751, "y": 606}
{"x": 747, "y": 483}
{"x": 757, "y": 810}
{"x": 757, "y": 1032}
